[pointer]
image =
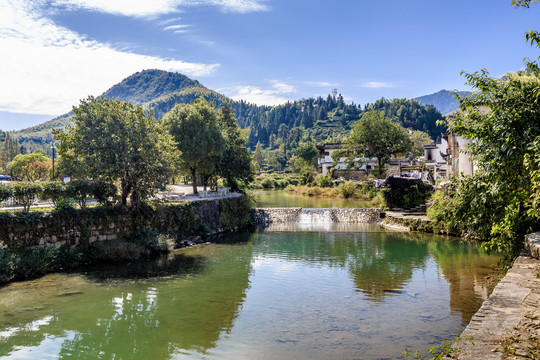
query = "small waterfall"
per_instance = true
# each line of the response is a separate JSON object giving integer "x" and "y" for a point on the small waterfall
{"x": 316, "y": 216}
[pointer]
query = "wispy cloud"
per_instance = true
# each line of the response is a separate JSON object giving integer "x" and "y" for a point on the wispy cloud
{"x": 153, "y": 8}
{"x": 274, "y": 95}
{"x": 176, "y": 27}
{"x": 375, "y": 84}
{"x": 46, "y": 68}
{"x": 322, "y": 84}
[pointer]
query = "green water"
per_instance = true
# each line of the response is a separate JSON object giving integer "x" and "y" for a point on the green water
{"x": 280, "y": 198}
{"x": 266, "y": 295}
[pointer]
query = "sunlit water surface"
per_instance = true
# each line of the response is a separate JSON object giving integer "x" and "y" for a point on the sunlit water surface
{"x": 267, "y": 295}
{"x": 281, "y": 198}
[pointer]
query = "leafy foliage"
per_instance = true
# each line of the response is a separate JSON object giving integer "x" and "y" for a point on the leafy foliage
{"x": 112, "y": 140}
{"x": 377, "y": 136}
{"x": 53, "y": 191}
{"x": 197, "y": 136}
{"x": 30, "y": 167}
{"x": 25, "y": 194}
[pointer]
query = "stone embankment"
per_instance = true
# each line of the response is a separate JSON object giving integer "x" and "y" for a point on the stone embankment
{"x": 266, "y": 216}
{"x": 507, "y": 326}
{"x": 82, "y": 227}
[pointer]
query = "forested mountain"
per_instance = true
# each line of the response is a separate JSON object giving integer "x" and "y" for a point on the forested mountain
{"x": 321, "y": 119}
{"x": 443, "y": 100}
{"x": 148, "y": 85}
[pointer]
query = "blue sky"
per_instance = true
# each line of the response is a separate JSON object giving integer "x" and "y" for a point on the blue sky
{"x": 55, "y": 52}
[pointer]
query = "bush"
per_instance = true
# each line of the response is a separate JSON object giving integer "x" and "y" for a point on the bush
{"x": 6, "y": 192}
{"x": 64, "y": 205}
{"x": 323, "y": 180}
{"x": 268, "y": 183}
{"x": 347, "y": 189}
{"x": 102, "y": 191}
{"x": 53, "y": 191}
{"x": 25, "y": 194}
{"x": 79, "y": 190}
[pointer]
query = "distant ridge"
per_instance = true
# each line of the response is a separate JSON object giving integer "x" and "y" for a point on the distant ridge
{"x": 443, "y": 100}
{"x": 317, "y": 119}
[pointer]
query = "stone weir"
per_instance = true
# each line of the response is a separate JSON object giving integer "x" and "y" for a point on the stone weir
{"x": 266, "y": 216}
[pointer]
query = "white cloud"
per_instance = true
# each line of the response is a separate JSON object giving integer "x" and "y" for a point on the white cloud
{"x": 152, "y": 8}
{"x": 375, "y": 84}
{"x": 176, "y": 27}
{"x": 321, "y": 84}
{"x": 45, "y": 68}
{"x": 259, "y": 96}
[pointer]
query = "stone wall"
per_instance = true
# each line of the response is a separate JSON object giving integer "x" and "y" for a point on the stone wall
{"x": 507, "y": 325}
{"x": 40, "y": 229}
{"x": 266, "y": 216}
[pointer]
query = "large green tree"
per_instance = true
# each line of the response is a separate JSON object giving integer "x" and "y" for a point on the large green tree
{"x": 374, "y": 135}
{"x": 196, "y": 132}
{"x": 499, "y": 203}
{"x": 112, "y": 140}
{"x": 236, "y": 163}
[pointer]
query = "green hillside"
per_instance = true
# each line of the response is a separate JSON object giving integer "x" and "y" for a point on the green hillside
{"x": 321, "y": 119}
{"x": 148, "y": 85}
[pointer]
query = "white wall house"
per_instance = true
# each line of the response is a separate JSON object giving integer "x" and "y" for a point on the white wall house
{"x": 326, "y": 162}
{"x": 449, "y": 157}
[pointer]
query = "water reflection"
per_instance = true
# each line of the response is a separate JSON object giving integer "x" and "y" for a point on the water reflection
{"x": 101, "y": 317}
{"x": 265, "y": 295}
{"x": 280, "y": 198}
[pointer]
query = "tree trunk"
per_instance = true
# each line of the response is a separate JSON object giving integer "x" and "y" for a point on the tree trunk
{"x": 194, "y": 180}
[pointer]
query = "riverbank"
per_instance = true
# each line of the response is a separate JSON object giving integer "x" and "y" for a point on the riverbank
{"x": 507, "y": 326}
{"x": 37, "y": 243}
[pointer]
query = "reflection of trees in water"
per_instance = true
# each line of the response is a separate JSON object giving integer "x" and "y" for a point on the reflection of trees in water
{"x": 385, "y": 262}
{"x": 377, "y": 261}
{"x": 466, "y": 270}
{"x": 186, "y": 308}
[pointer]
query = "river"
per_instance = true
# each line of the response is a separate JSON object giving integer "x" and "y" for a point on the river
{"x": 266, "y": 295}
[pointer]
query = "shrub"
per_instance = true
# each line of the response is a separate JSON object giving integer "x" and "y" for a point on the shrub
{"x": 25, "y": 194}
{"x": 6, "y": 192}
{"x": 290, "y": 187}
{"x": 64, "y": 205}
{"x": 323, "y": 180}
{"x": 102, "y": 191}
{"x": 268, "y": 183}
{"x": 347, "y": 189}
{"x": 53, "y": 191}
{"x": 79, "y": 190}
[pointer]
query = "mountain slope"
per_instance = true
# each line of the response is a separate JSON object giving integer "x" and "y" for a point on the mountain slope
{"x": 443, "y": 100}
{"x": 147, "y": 85}
{"x": 313, "y": 119}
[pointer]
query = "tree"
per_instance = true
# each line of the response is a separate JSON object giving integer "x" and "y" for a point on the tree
{"x": 236, "y": 163}
{"x": 198, "y": 137}
{"x": 308, "y": 152}
{"x": 10, "y": 149}
{"x": 419, "y": 139}
{"x": 112, "y": 140}
{"x": 499, "y": 203}
{"x": 30, "y": 167}
{"x": 376, "y": 136}
{"x": 258, "y": 155}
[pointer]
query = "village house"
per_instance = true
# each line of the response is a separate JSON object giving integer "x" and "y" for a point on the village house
{"x": 449, "y": 157}
{"x": 340, "y": 167}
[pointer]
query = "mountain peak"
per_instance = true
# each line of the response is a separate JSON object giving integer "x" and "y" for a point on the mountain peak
{"x": 146, "y": 85}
